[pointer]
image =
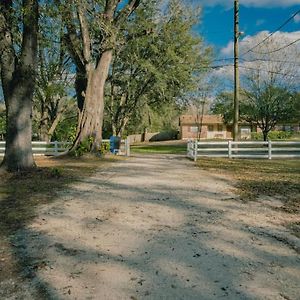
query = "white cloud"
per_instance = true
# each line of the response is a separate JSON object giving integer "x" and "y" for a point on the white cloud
{"x": 250, "y": 3}
{"x": 227, "y": 50}
{"x": 264, "y": 57}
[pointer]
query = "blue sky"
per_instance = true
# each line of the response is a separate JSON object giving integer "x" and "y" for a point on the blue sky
{"x": 217, "y": 20}
{"x": 258, "y": 20}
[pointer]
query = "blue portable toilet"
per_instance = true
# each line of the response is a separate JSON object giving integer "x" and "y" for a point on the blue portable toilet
{"x": 114, "y": 144}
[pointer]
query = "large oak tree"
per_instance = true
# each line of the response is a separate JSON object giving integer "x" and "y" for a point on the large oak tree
{"x": 18, "y": 60}
{"x": 159, "y": 62}
{"x": 91, "y": 35}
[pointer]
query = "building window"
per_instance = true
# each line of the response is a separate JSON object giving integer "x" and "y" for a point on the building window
{"x": 220, "y": 127}
{"x": 210, "y": 127}
{"x": 194, "y": 129}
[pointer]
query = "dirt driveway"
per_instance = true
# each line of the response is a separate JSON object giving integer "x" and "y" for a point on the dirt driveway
{"x": 158, "y": 227}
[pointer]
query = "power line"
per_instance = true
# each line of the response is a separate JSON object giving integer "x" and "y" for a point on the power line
{"x": 221, "y": 59}
{"x": 271, "y": 72}
{"x": 276, "y": 50}
{"x": 270, "y": 60}
{"x": 272, "y": 33}
{"x": 255, "y": 69}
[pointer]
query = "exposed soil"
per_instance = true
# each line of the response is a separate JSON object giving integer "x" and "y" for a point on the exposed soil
{"x": 156, "y": 227}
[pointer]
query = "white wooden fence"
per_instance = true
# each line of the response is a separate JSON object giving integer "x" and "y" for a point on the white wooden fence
{"x": 243, "y": 149}
{"x": 55, "y": 148}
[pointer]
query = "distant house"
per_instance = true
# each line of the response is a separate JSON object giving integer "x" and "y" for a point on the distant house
{"x": 209, "y": 127}
{"x": 292, "y": 126}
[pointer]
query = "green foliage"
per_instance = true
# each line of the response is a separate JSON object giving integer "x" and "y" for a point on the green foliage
{"x": 266, "y": 106}
{"x": 273, "y": 135}
{"x": 104, "y": 148}
{"x": 263, "y": 107}
{"x": 84, "y": 147}
{"x": 223, "y": 105}
{"x": 160, "y": 149}
{"x": 155, "y": 65}
{"x": 66, "y": 130}
{"x": 56, "y": 172}
{"x": 52, "y": 101}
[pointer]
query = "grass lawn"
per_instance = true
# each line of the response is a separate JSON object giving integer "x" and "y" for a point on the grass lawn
{"x": 160, "y": 148}
{"x": 256, "y": 178}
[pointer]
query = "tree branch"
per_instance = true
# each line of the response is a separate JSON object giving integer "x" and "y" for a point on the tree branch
{"x": 84, "y": 28}
{"x": 126, "y": 11}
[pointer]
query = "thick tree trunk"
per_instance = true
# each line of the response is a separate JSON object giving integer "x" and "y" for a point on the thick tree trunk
{"x": 43, "y": 129}
{"x": 18, "y": 76}
{"x": 18, "y": 151}
{"x": 91, "y": 116}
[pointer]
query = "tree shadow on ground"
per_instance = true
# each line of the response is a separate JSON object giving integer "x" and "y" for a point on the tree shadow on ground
{"x": 149, "y": 253}
{"x": 21, "y": 195}
{"x": 174, "y": 243}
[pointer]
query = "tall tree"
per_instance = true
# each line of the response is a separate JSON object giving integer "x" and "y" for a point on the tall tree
{"x": 223, "y": 105}
{"x": 52, "y": 98}
{"x": 18, "y": 68}
{"x": 158, "y": 62}
{"x": 91, "y": 36}
{"x": 266, "y": 106}
{"x": 270, "y": 75}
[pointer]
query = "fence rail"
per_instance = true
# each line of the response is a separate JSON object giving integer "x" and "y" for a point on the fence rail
{"x": 55, "y": 148}
{"x": 244, "y": 149}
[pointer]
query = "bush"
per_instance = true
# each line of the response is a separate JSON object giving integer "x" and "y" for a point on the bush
{"x": 273, "y": 135}
{"x": 104, "y": 148}
{"x": 86, "y": 145}
{"x": 280, "y": 135}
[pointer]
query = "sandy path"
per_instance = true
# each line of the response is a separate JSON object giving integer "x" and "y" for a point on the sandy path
{"x": 157, "y": 227}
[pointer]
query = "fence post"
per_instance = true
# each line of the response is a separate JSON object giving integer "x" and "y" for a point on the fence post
{"x": 269, "y": 149}
{"x": 127, "y": 146}
{"x": 55, "y": 148}
{"x": 195, "y": 150}
{"x": 229, "y": 149}
{"x": 188, "y": 148}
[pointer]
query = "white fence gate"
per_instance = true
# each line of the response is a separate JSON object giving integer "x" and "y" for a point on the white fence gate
{"x": 55, "y": 148}
{"x": 244, "y": 149}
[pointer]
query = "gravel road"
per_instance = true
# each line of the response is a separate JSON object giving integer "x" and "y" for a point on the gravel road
{"x": 158, "y": 227}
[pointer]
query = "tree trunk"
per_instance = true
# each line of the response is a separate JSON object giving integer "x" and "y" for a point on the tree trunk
{"x": 91, "y": 116}
{"x": 265, "y": 135}
{"x": 18, "y": 80}
{"x": 18, "y": 151}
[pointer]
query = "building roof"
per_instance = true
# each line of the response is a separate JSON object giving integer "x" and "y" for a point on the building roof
{"x": 207, "y": 119}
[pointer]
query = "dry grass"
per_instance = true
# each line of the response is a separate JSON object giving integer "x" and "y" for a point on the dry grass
{"x": 258, "y": 178}
{"x": 22, "y": 193}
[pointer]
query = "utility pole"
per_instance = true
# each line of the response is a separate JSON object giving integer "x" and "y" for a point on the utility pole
{"x": 236, "y": 71}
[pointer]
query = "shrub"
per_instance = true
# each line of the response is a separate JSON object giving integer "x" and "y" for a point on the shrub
{"x": 86, "y": 145}
{"x": 280, "y": 135}
{"x": 273, "y": 135}
{"x": 104, "y": 148}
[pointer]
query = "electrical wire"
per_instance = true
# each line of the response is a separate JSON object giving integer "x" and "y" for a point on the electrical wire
{"x": 255, "y": 69}
{"x": 279, "y": 49}
{"x": 272, "y": 33}
{"x": 271, "y": 72}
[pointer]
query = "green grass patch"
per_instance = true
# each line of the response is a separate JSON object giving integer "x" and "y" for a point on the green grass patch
{"x": 159, "y": 149}
{"x": 256, "y": 178}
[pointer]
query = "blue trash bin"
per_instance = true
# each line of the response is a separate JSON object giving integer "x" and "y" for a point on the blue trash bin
{"x": 114, "y": 144}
